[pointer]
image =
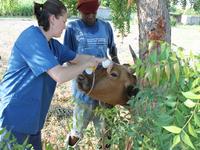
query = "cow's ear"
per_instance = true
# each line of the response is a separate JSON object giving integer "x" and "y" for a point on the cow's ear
{"x": 131, "y": 91}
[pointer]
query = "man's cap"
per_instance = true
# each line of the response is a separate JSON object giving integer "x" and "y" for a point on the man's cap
{"x": 88, "y": 6}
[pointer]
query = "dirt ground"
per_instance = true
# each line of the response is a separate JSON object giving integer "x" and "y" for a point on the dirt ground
{"x": 11, "y": 28}
{"x": 56, "y": 125}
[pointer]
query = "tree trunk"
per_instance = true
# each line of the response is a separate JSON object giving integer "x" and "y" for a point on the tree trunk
{"x": 154, "y": 23}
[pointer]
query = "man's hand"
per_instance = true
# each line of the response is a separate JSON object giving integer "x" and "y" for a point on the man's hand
{"x": 107, "y": 64}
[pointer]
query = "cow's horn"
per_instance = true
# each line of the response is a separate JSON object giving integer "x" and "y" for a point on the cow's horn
{"x": 134, "y": 56}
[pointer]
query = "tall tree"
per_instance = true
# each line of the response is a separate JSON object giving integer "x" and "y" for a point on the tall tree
{"x": 154, "y": 23}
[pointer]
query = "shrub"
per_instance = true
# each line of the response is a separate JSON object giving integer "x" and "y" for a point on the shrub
{"x": 9, "y": 139}
{"x": 165, "y": 114}
{"x": 16, "y": 8}
{"x": 71, "y": 6}
{"x": 191, "y": 11}
{"x": 173, "y": 21}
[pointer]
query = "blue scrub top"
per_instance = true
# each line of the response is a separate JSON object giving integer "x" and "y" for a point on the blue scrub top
{"x": 93, "y": 40}
{"x": 26, "y": 89}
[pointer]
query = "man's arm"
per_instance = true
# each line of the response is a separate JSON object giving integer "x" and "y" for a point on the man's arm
{"x": 111, "y": 44}
{"x": 113, "y": 55}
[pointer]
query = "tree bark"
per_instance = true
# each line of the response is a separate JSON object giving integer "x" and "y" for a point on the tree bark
{"x": 154, "y": 23}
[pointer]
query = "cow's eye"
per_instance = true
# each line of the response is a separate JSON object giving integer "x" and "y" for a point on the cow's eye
{"x": 114, "y": 74}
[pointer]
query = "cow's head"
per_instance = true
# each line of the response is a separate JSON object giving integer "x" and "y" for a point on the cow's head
{"x": 113, "y": 88}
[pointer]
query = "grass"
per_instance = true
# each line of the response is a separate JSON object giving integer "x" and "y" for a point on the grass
{"x": 16, "y": 8}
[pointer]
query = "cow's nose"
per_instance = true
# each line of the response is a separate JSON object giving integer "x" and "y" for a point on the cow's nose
{"x": 135, "y": 91}
{"x": 132, "y": 91}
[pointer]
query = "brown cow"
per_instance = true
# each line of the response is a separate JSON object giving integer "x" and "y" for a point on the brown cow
{"x": 114, "y": 88}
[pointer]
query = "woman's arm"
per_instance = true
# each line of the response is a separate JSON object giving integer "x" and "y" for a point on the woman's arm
{"x": 65, "y": 73}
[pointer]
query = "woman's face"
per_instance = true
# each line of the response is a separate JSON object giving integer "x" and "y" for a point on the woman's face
{"x": 57, "y": 25}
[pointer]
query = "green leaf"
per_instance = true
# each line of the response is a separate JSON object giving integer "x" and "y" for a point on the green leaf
{"x": 191, "y": 54}
{"x": 177, "y": 70}
{"x": 176, "y": 140}
{"x": 137, "y": 71}
{"x": 196, "y": 120}
{"x": 186, "y": 71}
{"x": 7, "y": 135}
{"x": 186, "y": 139}
{"x": 191, "y": 130}
{"x": 173, "y": 56}
{"x": 142, "y": 71}
{"x": 2, "y": 131}
{"x": 189, "y": 103}
{"x": 198, "y": 67}
{"x": 170, "y": 103}
{"x": 151, "y": 45}
{"x": 179, "y": 117}
{"x": 139, "y": 62}
{"x": 191, "y": 95}
{"x": 157, "y": 75}
{"x": 195, "y": 90}
{"x": 171, "y": 97}
{"x": 167, "y": 70}
{"x": 164, "y": 51}
{"x": 153, "y": 57}
{"x": 195, "y": 82}
{"x": 172, "y": 129}
{"x": 181, "y": 52}
{"x": 149, "y": 73}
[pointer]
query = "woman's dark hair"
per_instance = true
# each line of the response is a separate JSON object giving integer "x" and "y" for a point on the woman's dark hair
{"x": 50, "y": 7}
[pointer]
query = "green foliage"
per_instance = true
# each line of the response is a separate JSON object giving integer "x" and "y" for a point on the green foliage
{"x": 25, "y": 8}
{"x": 165, "y": 114}
{"x": 183, "y": 3}
{"x": 119, "y": 122}
{"x": 71, "y": 6}
{"x": 7, "y": 6}
{"x": 173, "y": 21}
{"x": 194, "y": 5}
{"x": 16, "y": 8}
{"x": 121, "y": 15}
{"x": 120, "y": 12}
{"x": 105, "y": 3}
{"x": 9, "y": 139}
{"x": 167, "y": 109}
{"x": 191, "y": 11}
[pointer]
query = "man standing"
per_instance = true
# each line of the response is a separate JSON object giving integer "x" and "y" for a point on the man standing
{"x": 92, "y": 36}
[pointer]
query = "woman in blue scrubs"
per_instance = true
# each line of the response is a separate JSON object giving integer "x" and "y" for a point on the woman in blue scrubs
{"x": 34, "y": 68}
